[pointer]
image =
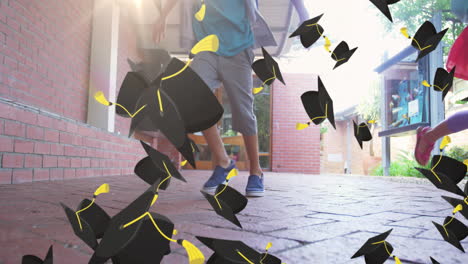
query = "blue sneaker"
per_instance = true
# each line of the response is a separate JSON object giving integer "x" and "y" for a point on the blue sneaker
{"x": 255, "y": 186}
{"x": 218, "y": 177}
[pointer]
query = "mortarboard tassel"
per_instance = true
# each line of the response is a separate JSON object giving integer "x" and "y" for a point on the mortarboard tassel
{"x": 231, "y": 174}
{"x": 445, "y": 141}
{"x": 466, "y": 162}
{"x": 259, "y": 89}
{"x": 427, "y": 84}
{"x": 300, "y": 126}
{"x": 404, "y": 32}
{"x": 100, "y": 98}
{"x": 104, "y": 188}
{"x": 195, "y": 256}
{"x": 183, "y": 163}
{"x": 268, "y": 246}
{"x": 200, "y": 15}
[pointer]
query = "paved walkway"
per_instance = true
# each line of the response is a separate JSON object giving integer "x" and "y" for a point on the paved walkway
{"x": 308, "y": 218}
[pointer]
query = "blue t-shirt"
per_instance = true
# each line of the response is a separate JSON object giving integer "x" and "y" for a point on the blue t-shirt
{"x": 229, "y": 21}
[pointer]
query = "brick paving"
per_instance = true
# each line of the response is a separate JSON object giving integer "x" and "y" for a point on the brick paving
{"x": 308, "y": 218}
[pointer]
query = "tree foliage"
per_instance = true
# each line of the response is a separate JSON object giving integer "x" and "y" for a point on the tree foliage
{"x": 413, "y": 13}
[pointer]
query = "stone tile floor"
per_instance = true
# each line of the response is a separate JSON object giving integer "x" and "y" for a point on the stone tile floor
{"x": 308, "y": 218}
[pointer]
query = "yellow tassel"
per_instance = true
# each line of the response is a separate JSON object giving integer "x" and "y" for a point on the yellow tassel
{"x": 445, "y": 141}
{"x": 300, "y": 126}
{"x": 371, "y": 121}
{"x": 268, "y": 246}
{"x": 183, "y": 163}
{"x": 209, "y": 43}
{"x": 466, "y": 162}
{"x": 104, "y": 188}
{"x": 457, "y": 209}
{"x": 404, "y": 31}
{"x": 425, "y": 83}
{"x": 154, "y": 199}
{"x": 195, "y": 256}
{"x": 175, "y": 232}
{"x": 327, "y": 44}
{"x": 231, "y": 174}
{"x": 397, "y": 260}
{"x": 200, "y": 15}
{"x": 99, "y": 96}
{"x": 257, "y": 90}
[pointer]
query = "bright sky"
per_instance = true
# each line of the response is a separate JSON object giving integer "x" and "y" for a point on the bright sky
{"x": 358, "y": 23}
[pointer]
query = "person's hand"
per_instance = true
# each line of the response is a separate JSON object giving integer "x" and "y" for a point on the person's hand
{"x": 159, "y": 29}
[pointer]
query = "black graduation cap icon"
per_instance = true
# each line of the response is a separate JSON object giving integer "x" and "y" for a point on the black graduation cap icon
{"x": 309, "y": 31}
{"x": 159, "y": 113}
{"x": 89, "y": 221}
{"x": 227, "y": 201}
{"x": 341, "y": 54}
{"x": 318, "y": 105}
{"x": 443, "y": 81}
{"x": 267, "y": 70}
{"x": 453, "y": 231}
{"x": 445, "y": 173}
{"x": 162, "y": 162}
{"x": 376, "y": 250}
{"x": 130, "y": 91}
{"x": 462, "y": 204}
{"x": 148, "y": 246}
{"x": 118, "y": 235}
{"x": 233, "y": 251}
{"x": 148, "y": 172}
{"x": 154, "y": 62}
{"x": 196, "y": 103}
{"x": 426, "y": 38}
{"x": 188, "y": 150}
{"x": 31, "y": 259}
{"x": 382, "y": 5}
{"x": 362, "y": 133}
{"x": 434, "y": 261}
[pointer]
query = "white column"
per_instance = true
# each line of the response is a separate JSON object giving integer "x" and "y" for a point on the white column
{"x": 103, "y": 62}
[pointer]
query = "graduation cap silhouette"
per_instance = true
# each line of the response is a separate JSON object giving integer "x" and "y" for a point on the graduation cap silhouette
{"x": 459, "y": 205}
{"x": 362, "y": 132}
{"x": 453, "y": 231}
{"x": 376, "y": 250}
{"x": 318, "y": 105}
{"x": 309, "y": 31}
{"x": 161, "y": 163}
{"x": 426, "y": 38}
{"x": 233, "y": 251}
{"x": 382, "y": 5}
{"x": 89, "y": 221}
{"x": 31, "y": 259}
{"x": 154, "y": 61}
{"x": 434, "y": 261}
{"x": 267, "y": 70}
{"x": 127, "y": 232}
{"x": 153, "y": 109}
{"x": 196, "y": 103}
{"x": 341, "y": 54}
{"x": 227, "y": 201}
{"x": 443, "y": 81}
{"x": 445, "y": 173}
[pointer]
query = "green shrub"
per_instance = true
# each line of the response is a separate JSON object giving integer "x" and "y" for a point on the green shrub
{"x": 403, "y": 166}
{"x": 458, "y": 152}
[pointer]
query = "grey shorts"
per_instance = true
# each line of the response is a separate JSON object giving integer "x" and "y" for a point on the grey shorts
{"x": 235, "y": 74}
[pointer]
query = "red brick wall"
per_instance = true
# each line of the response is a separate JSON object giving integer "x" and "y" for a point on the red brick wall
{"x": 292, "y": 150}
{"x": 36, "y": 145}
{"x": 44, "y": 54}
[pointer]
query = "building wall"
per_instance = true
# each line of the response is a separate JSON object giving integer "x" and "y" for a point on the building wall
{"x": 44, "y": 54}
{"x": 292, "y": 150}
{"x": 44, "y": 78}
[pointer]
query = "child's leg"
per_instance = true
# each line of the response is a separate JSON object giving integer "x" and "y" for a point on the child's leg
{"x": 236, "y": 76}
{"x": 427, "y": 137}
{"x": 453, "y": 124}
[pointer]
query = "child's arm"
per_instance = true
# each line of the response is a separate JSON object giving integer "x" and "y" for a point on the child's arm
{"x": 159, "y": 28}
